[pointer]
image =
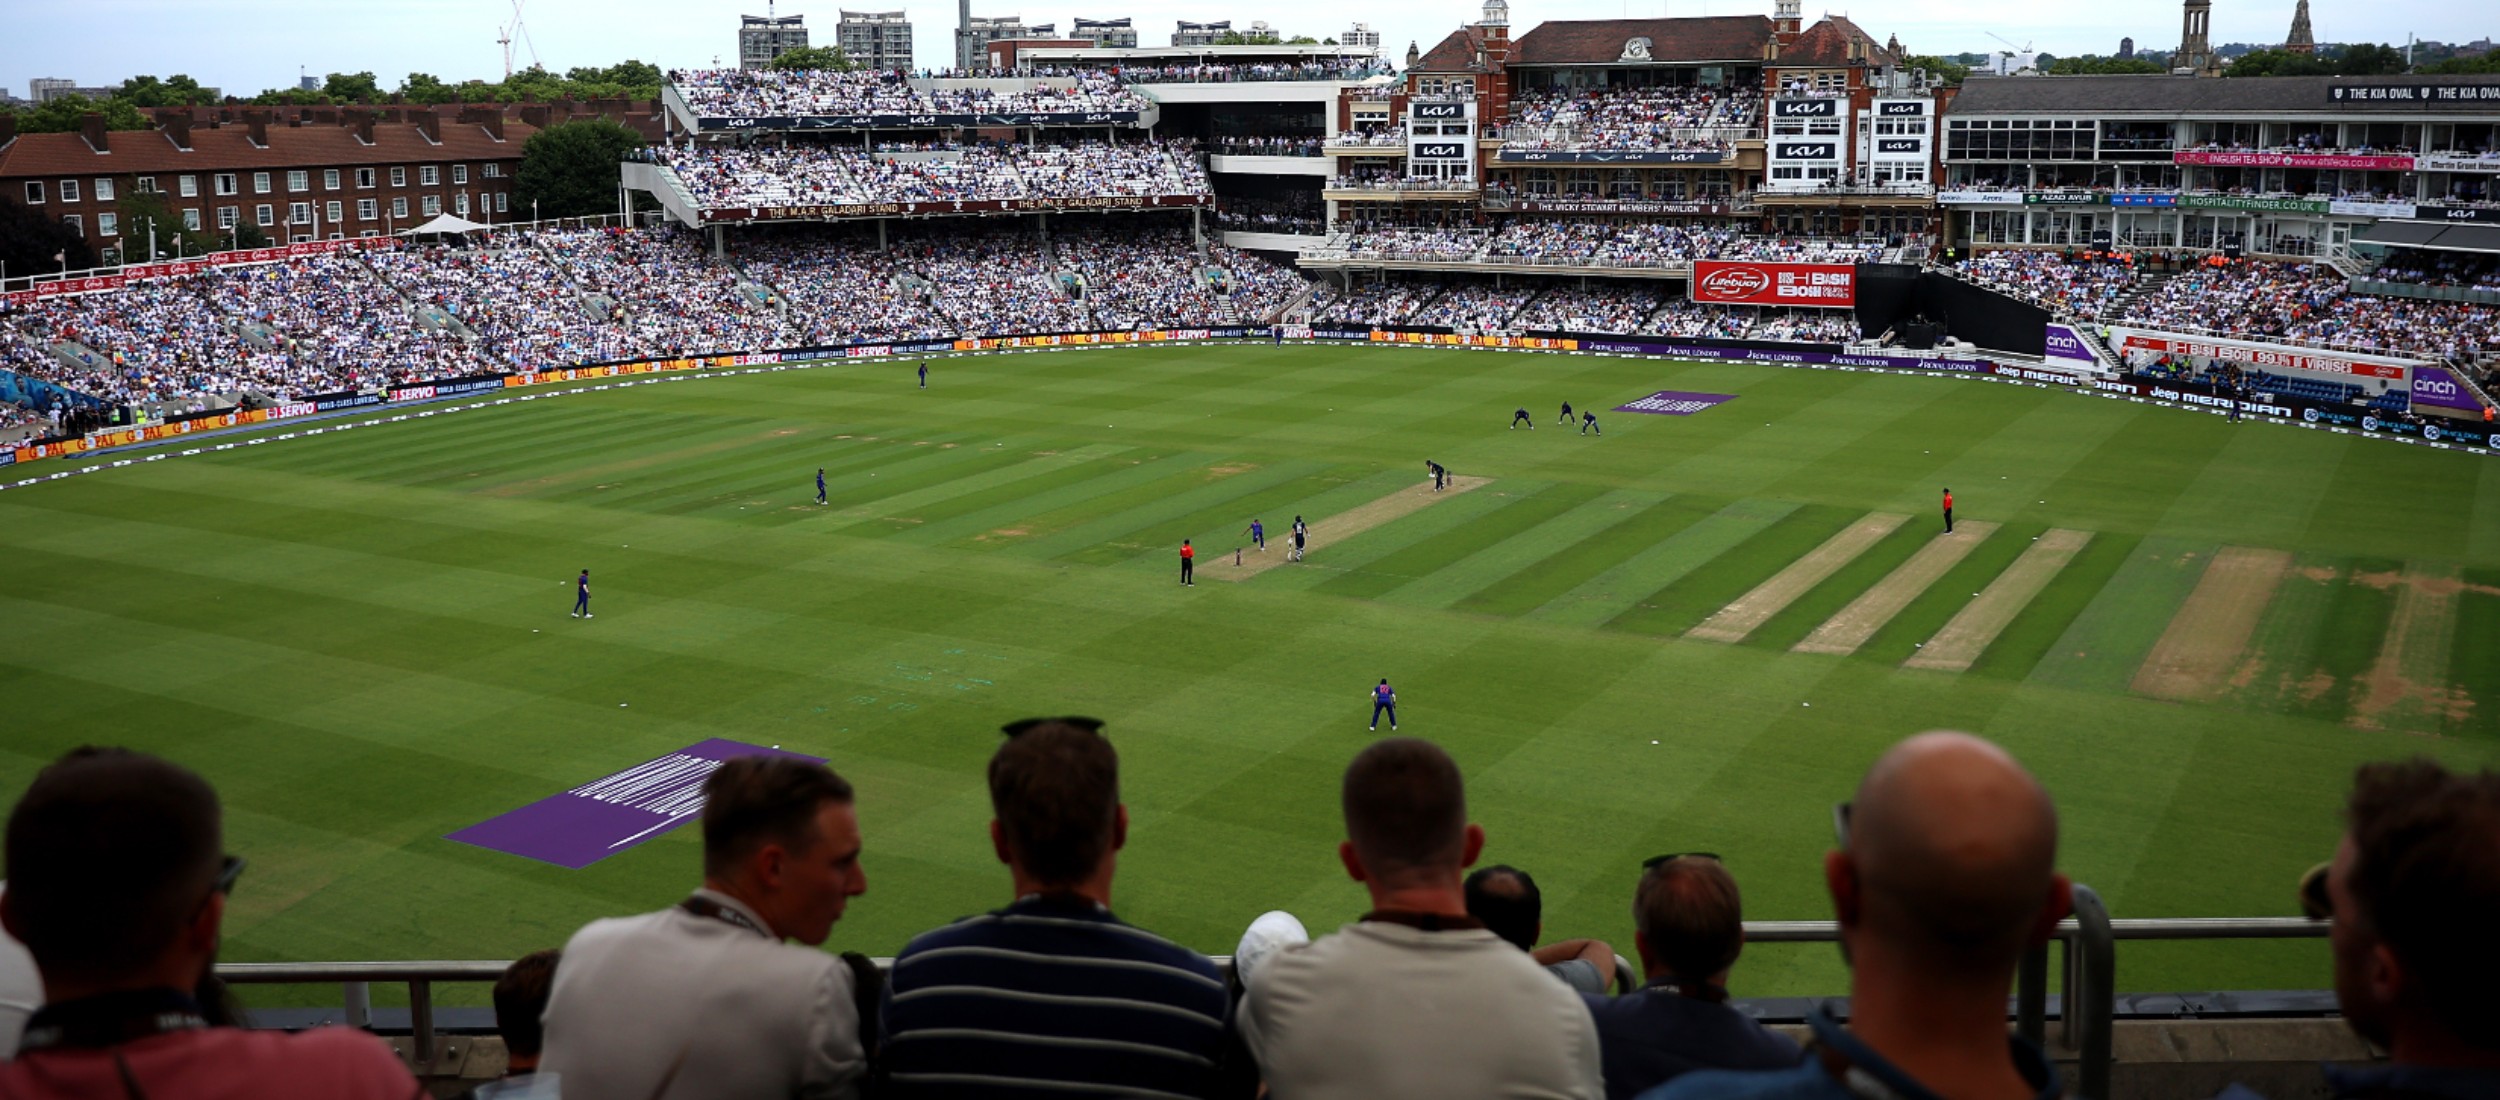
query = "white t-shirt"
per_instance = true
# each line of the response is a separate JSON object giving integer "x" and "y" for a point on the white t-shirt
{"x": 21, "y": 990}
{"x": 1383, "y": 1010}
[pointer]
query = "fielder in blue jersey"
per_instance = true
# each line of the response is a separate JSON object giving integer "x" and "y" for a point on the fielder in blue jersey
{"x": 1258, "y": 535}
{"x": 581, "y": 596}
{"x": 820, "y": 485}
{"x": 1384, "y": 701}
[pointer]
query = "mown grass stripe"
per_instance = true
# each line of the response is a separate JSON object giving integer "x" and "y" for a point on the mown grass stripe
{"x": 1526, "y": 551}
{"x": 1222, "y": 504}
{"x": 2107, "y": 643}
{"x": 1622, "y": 588}
{"x": 1575, "y": 563}
{"x": 1425, "y": 558}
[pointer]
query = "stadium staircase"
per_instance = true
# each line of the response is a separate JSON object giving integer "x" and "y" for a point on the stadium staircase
{"x": 2146, "y": 287}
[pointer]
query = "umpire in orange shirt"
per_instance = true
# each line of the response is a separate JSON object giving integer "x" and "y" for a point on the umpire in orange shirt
{"x": 1948, "y": 511}
{"x": 1188, "y": 559}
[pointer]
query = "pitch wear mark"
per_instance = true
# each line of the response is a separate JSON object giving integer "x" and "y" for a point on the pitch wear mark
{"x": 608, "y": 815}
{"x": 2406, "y": 687}
{"x": 1358, "y": 519}
{"x": 1732, "y": 623}
{"x": 1675, "y": 403}
{"x": 1844, "y": 632}
{"x": 2196, "y": 654}
{"x": 1974, "y": 628}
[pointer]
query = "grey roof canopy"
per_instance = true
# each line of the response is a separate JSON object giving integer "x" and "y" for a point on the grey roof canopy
{"x": 2447, "y": 238}
{"x": 2185, "y": 95}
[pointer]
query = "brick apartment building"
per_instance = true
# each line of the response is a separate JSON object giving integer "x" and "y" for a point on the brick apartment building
{"x": 298, "y": 173}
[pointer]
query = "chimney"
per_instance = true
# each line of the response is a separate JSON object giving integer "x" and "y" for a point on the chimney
{"x": 91, "y": 125}
{"x": 8, "y": 128}
{"x": 492, "y": 119}
{"x": 535, "y": 115}
{"x": 177, "y": 128}
{"x": 430, "y": 124}
{"x": 362, "y": 123}
{"x": 258, "y": 124}
{"x": 327, "y": 116}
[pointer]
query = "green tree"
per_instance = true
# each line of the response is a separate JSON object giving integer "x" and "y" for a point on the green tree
{"x": 2486, "y": 62}
{"x": 2369, "y": 59}
{"x": 290, "y": 97}
{"x": 29, "y": 239}
{"x": 139, "y": 208}
{"x": 352, "y": 88}
{"x": 570, "y": 170}
{"x": 426, "y": 88}
{"x": 1951, "y": 72}
{"x": 828, "y": 58}
{"x": 245, "y": 234}
{"x": 67, "y": 114}
{"x": 2279, "y": 63}
{"x": 2101, "y": 66}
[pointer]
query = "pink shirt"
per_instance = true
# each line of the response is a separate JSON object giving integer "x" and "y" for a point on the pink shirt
{"x": 331, "y": 1063}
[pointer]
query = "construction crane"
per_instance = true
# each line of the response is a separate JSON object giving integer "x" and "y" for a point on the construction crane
{"x": 504, "y": 36}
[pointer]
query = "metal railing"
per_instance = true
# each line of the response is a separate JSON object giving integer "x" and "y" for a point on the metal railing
{"x": 2088, "y": 950}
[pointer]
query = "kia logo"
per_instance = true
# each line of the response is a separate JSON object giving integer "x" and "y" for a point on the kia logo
{"x": 1735, "y": 282}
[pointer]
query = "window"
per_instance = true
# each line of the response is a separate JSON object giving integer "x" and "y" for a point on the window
{"x": 428, "y": 175}
{"x": 76, "y": 224}
{"x": 334, "y": 212}
{"x": 298, "y": 180}
{"x": 264, "y": 215}
{"x": 433, "y": 205}
{"x": 34, "y": 192}
{"x": 191, "y": 219}
{"x": 460, "y": 203}
{"x": 108, "y": 224}
{"x": 329, "y": 179}
{"x": 399, "y": 177}
{"x": 189, "y": 186}
{"x": 364, "y": 177}
{"x": 69, "y": 190}
{"x": 299, "y": 213}
{"x": 459, "y": 173}
{"x": 368, "y": 209}
{"x": 501, "y": 197}
{"x": 491, "y": 170}
{"x": 226, "y": 217}
{"x": 260, "y": 183}
{"x": 103, "y": 190}
{"x": 225, "y": 183}
{"x": 146, "y": 185}
{"x": 399, "y": 207}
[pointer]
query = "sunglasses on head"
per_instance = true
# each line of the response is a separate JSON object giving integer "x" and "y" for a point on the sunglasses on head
{"x": 1655, "y": 862}
{"x": 1025, "y": 725}
{"x": 227, "y": 871}
{"x": 1840, "y": 823}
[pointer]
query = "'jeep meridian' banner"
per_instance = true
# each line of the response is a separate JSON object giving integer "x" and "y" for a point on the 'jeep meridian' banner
{"x": 1751, "y": 283}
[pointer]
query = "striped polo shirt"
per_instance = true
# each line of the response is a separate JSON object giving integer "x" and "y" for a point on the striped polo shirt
{"x": 1053, "y": 996}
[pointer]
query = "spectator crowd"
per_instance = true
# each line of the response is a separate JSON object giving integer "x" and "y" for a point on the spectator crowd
{"x": 1943, "y": 875}
{"x": 722, "y": 176}
{"x": 778, "y": 93}
{"x": 1659, "y": 118}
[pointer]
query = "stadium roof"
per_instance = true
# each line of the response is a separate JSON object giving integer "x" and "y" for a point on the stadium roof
{"x": 1671, "y": 41}
{"x": 1834, "y": 41}
{"x": 2447, "y": 238}
{"x": 2183, "y": 95}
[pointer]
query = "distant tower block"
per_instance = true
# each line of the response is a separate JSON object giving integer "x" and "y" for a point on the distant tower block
{"x": 2301, "y": 41}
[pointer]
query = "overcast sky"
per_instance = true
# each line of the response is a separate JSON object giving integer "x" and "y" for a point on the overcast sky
{"x": 244, "y": 46}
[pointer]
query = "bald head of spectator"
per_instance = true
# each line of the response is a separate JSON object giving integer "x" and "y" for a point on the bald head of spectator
{"x": 2415, "y": 890}
{"x": 1407, "y": 833}
{"x": 1948, "y": 870}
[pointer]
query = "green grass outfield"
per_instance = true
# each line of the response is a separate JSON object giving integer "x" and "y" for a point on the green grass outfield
{"x": 362, "y": 639}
